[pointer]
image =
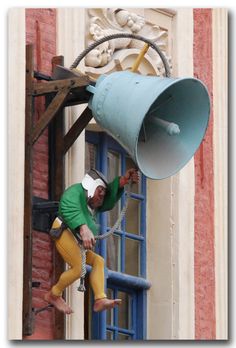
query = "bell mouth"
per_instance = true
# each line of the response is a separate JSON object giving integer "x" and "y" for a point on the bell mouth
{"x": 161, "y": 150}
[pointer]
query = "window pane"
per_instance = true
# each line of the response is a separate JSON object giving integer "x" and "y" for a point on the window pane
{"x": 109, "y": 335}
{"x": 133, "y": 216}
{"x": 113, "y": 253}
{"x": 113, "y": 159}
{"x": 132, "y": 252}
{"x": 90, "y": 156}
{"x": 110, "y": 313}
{"x": 122, "y": 337}
{"x": 124, "y": 311}
{"x": 113, "y": 215}
{"x": 136, "y": 188}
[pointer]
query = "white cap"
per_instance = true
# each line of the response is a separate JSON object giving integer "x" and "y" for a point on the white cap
{"x": 90, "y": 184}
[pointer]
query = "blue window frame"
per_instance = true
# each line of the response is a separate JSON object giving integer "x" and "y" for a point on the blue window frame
{"x": 125, "y": 252}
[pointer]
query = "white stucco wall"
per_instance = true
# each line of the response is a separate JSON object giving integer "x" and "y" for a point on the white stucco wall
{"x": 70, "y": 43}
{"x": 170, "y": 221}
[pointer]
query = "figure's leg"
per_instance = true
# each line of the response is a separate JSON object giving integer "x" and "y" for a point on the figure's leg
{"x": 96, "y": 279}
{"x": 69, "y": 250}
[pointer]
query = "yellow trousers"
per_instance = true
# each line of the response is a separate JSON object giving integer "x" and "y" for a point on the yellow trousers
{"x": 69, "y": 249}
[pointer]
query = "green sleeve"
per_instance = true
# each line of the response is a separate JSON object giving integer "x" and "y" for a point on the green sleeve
{"x": 114, "y": 193}
{"x": 71, "y": 208}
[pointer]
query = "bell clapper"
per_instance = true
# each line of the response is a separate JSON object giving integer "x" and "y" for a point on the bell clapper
{"x": 170, "y": 128}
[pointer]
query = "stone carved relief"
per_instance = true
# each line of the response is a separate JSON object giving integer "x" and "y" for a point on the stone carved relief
{"x": 106, "y": 57}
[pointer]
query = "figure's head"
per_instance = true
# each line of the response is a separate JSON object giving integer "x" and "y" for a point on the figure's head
{"x": 96, "y": 185}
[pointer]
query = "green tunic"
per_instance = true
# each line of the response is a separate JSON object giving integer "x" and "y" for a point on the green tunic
{"x": 74, "y": 210}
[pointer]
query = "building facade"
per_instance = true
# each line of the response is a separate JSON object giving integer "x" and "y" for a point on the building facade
{"x": 168, "y": 262}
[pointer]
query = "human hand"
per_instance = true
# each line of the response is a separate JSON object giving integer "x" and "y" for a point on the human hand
{"x": 87, "y": 237}
{"x": 131, "y": 174}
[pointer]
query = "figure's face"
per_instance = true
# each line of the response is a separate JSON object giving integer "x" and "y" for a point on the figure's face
{"x": 98, "y": 197}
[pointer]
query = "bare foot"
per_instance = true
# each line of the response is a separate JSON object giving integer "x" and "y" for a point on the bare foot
{"x": 58, "y": 303}
{"x": 105, "y": 303}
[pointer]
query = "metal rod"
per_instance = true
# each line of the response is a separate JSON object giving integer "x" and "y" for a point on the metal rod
{"x": 123, "y": 35}
{"x": 140, "y": 57}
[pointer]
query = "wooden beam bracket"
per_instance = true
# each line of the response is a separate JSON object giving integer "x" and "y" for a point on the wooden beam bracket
{"x": 77, "y": 129}
{"x": 58, "y": 95}
{"x": 42, "y": 88}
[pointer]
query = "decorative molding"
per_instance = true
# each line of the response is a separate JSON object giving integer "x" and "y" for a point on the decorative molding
{"x": 166, "y": 11}
{"x": 106, "y": 57}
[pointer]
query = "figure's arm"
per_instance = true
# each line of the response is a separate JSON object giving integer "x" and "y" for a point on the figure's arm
{"x": 116, "y": 188}
{"x": 114, "y": 193}
{"x": 86, "y": 236}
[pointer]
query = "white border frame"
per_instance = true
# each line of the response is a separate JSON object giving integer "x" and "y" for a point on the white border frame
{"x": 16, "y": 156}
{"x": 220, "y": 136}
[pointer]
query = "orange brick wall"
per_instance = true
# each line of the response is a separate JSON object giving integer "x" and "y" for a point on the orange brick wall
{"x": 41, "y": 32}
{"x": 204, "y": 195}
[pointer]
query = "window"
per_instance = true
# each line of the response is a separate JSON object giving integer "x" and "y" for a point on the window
{"x": 125, "y": 251}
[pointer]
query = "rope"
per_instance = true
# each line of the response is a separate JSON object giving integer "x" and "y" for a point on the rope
{"x": 122, "y": 35}
{"x": 120, "y": 218}
{"x": 81, "y": 287}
